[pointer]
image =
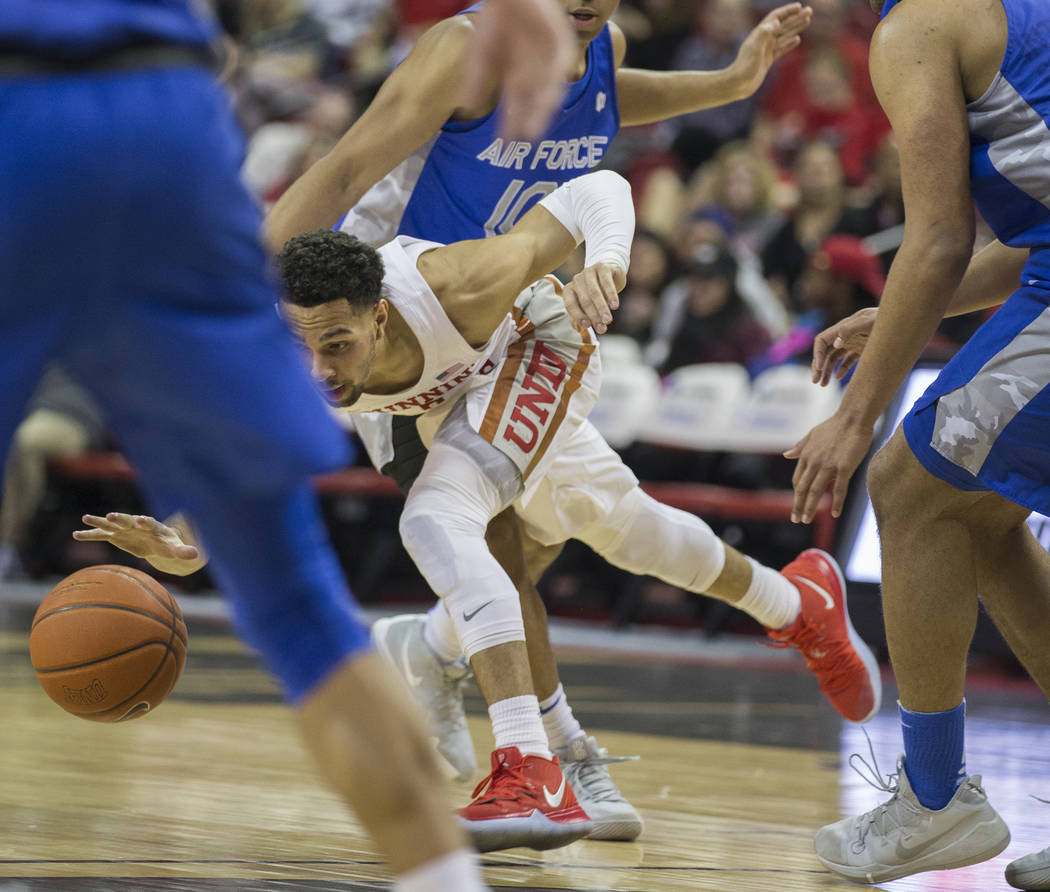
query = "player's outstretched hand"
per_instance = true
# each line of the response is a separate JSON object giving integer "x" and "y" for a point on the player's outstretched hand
{"x": 592, "y": 295}
{"x": 529, "y": 44}
{"x": 837, "y": 348}
{"x": 827, "y": 457}
{"x": 145, "y": 537}
{"x": 778, "y": 33}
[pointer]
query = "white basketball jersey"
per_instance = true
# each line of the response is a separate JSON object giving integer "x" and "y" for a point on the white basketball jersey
{"x": 451, "y": 367}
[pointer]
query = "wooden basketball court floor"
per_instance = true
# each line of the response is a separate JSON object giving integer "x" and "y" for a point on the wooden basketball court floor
{"x": 741, "y": 761}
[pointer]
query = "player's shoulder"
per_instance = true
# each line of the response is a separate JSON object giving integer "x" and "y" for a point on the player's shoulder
{"x": 918, "y": 29}
{"x": 453, "y": 35}
{"x": 924, "y": 20}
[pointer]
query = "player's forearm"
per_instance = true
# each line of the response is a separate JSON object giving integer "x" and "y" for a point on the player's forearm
{"x": 597, "y": 209}
{"x": 648, "y": 96}
{"x": 991, "y": 277}
{"x": 919, "y": 288}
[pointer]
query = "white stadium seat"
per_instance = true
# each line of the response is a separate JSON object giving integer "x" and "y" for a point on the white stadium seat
{"x": 783, "y": 405}
{"x": 629, "y": 396}
{"x": 696, "y": 406}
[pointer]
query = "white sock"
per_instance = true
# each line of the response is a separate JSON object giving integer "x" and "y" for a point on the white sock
{"x": 440, "y": 634}
{"x": 558, "y": 721}
{"x": 770, "y": 598}
{"x": 516, "y": 722}
{"x": 455, "y": 871}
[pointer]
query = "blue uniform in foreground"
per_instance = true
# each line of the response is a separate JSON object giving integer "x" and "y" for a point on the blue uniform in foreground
{"x": 985, "y": 422}
{"x": 131, "y": 254}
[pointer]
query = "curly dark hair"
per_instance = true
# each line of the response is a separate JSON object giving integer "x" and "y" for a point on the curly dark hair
{"x": 322, "y": 266}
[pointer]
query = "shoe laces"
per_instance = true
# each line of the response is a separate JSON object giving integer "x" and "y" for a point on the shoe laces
{"x": 591, "y": 776}
{"x": 831, "y": 660}
{"x": 504, "y": 784}
{"x": 890, "y": 815}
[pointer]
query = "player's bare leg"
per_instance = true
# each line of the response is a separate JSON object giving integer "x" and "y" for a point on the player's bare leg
{"x": 935, "y": 538}
{"x": 369, "y": 741}
{"x": 525, "y": 561}
{"x": 803, "y": 606}
{"x": 464, "y": 483}
{"x": 585, "y": 765}
{"x": 929, "y": 582}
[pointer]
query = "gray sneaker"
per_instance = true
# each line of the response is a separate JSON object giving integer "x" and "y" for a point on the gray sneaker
{"x": 1032, "y": 872}
{"x": 584, "y": 766}
{"x": 437, "y": 687}
{"x": 901, "y": 837}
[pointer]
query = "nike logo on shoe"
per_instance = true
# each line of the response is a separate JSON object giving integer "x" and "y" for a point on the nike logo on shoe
{"x": 823, "y": 592}
{"x": 554, "y": 800}
{"x": 906, "y": 854}
{"x": 467, "y": 617}
{"x": 406, "y": 664}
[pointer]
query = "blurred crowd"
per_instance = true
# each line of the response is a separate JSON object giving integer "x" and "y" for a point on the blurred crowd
{"x": 759, "y": 223}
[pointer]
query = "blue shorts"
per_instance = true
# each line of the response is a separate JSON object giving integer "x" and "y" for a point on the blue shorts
{"x": 130, "y": 254}
{"x": 984, "y": 424}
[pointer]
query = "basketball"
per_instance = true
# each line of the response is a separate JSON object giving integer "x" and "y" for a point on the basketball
{"x": 108, "y": 643}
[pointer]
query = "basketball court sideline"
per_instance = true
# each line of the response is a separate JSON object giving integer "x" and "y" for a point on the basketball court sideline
{"x": 741, "y": 761}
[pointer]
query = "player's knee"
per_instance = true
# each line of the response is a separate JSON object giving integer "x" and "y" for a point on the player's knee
{"x": 891, "y": 480}
{"x": 434, "y": 529}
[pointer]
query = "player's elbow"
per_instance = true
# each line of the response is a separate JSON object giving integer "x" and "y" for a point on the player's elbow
{"x": 947, "y": 247}
{"x": 610, "y": 181}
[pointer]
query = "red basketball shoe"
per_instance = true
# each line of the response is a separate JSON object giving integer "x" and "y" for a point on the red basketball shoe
{"x": 524, "y": 802}
{"x": 843, "y": 664}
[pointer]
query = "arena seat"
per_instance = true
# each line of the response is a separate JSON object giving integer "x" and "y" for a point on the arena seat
{"x": 782, "y": 406}
{"x": 618, "y": 349}
{"x": 630, "y": 394}
{"x": 696, "y": 406}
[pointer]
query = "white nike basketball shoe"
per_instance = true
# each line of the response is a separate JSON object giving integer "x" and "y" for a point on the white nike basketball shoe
{"x": 1031, "y": 873}
{"x": 438, "y": 687}
{"x": 901, "y": 837}
{"x": 585, "y": 766}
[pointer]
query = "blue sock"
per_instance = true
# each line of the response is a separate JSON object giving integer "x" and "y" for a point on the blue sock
{"x": 933, "y": 753}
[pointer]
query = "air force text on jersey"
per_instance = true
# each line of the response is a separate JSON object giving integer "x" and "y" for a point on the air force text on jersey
{"x": 581, "y": 153}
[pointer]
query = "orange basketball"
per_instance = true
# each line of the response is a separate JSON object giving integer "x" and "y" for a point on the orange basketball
{"x": 108, "y": 643}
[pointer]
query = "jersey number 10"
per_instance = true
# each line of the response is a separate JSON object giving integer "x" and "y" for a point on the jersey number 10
{"x": 512, "y": 205}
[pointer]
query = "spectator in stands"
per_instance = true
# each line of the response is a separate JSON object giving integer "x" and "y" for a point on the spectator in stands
{"x": 884, "y": 207}
{"x": 785, "y": 90}
{"x": 61, "y": 420}
{"x": 651, "y": 270}
{"x": 741, "y": 185}
{"x": 654, "y": 29}
{"x": 720, "y": 27}
{"x": 841, "y": 277}
{"x": 714, "y": 323}
{"x": 280, "y": 150}
{"x": 820, "y": 211}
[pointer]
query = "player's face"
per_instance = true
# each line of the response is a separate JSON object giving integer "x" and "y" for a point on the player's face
{"x": 341, "y": 344}
{"x": 588, "y": 17}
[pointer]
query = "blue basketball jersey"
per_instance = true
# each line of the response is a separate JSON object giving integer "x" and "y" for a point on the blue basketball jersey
{"x": 985, "y": 422}
{"x": 467, "y": 182}
{"x": 1010, "y": 142}
{"x": 1009, "y": 135}
{"x": 82, "y": 27}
